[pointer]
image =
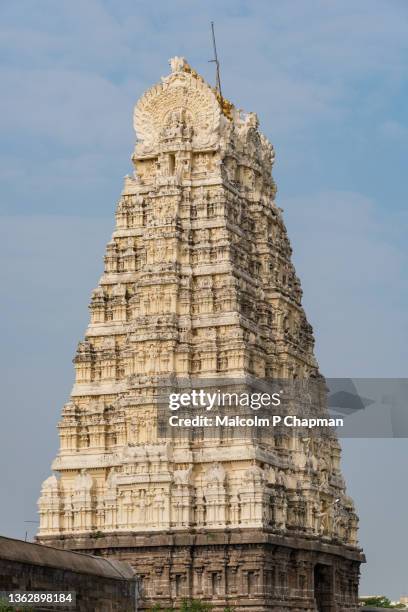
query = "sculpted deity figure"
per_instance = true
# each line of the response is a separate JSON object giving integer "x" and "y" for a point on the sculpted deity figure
{"x": 112, "y": 480}
{"x": 252, "y": 121}
{"x": 159, "y": 506}
{"x": 235, "y": 509}
{"x": 215, "y": 474}
{"x": 254, "y": 475}
{"x": 83, "y": 482}
{"x": 183, "y": 477}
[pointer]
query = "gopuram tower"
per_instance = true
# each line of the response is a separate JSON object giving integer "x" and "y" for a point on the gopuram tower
{"x": 198, "y": 284}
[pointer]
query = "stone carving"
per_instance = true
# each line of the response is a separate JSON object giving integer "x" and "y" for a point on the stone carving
{"x": 177, "y": 64}
{"x": 83, "y": 481}
{"x": 112, "y": 480}
{"x": 180, "y": 92}
{"x": 50, "y": 485}
{"x": 183, "y": 477}
{"x": 254, "y": 475}
{"x": 215, "y": 474}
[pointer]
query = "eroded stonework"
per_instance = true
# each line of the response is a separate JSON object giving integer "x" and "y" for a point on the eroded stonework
{"x": 198, "y": 282}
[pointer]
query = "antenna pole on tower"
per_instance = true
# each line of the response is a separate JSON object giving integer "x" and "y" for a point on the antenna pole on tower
{"x": 216, "y": 62}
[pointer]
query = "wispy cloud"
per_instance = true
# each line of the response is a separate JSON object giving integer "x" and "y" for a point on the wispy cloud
{"x": 328, "y": 79}
{"x": 393, "y": 130}
{"x": 352, "y": 260}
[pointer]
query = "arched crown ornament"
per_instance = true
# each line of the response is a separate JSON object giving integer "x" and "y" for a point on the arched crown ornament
{"x": 182, "y": 96}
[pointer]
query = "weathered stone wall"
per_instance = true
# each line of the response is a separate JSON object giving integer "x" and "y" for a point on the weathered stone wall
{"x": 100, "y": 585}
{"x": 245, "y": 570}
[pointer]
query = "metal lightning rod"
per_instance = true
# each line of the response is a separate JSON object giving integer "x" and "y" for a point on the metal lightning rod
{"x": 216, "y": 62}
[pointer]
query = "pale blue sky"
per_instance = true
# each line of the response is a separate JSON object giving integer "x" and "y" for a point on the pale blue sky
{"x": 329, "y": 82}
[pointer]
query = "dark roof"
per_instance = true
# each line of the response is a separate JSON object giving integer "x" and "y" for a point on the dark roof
{"x": 38, "y": 554}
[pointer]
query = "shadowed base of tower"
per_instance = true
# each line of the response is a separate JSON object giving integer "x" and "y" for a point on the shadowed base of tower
{"x": 238, "y": 569}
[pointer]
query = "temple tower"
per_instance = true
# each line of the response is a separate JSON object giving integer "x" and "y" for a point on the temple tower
{"x": 198, "y": 283}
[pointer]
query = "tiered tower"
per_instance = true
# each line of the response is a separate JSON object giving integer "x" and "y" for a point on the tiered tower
{"x": 198, "y": 282}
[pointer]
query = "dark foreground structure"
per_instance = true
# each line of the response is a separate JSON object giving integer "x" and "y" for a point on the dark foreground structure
{"x": 247, "y": 570}
{"x": 101, "y": 585}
